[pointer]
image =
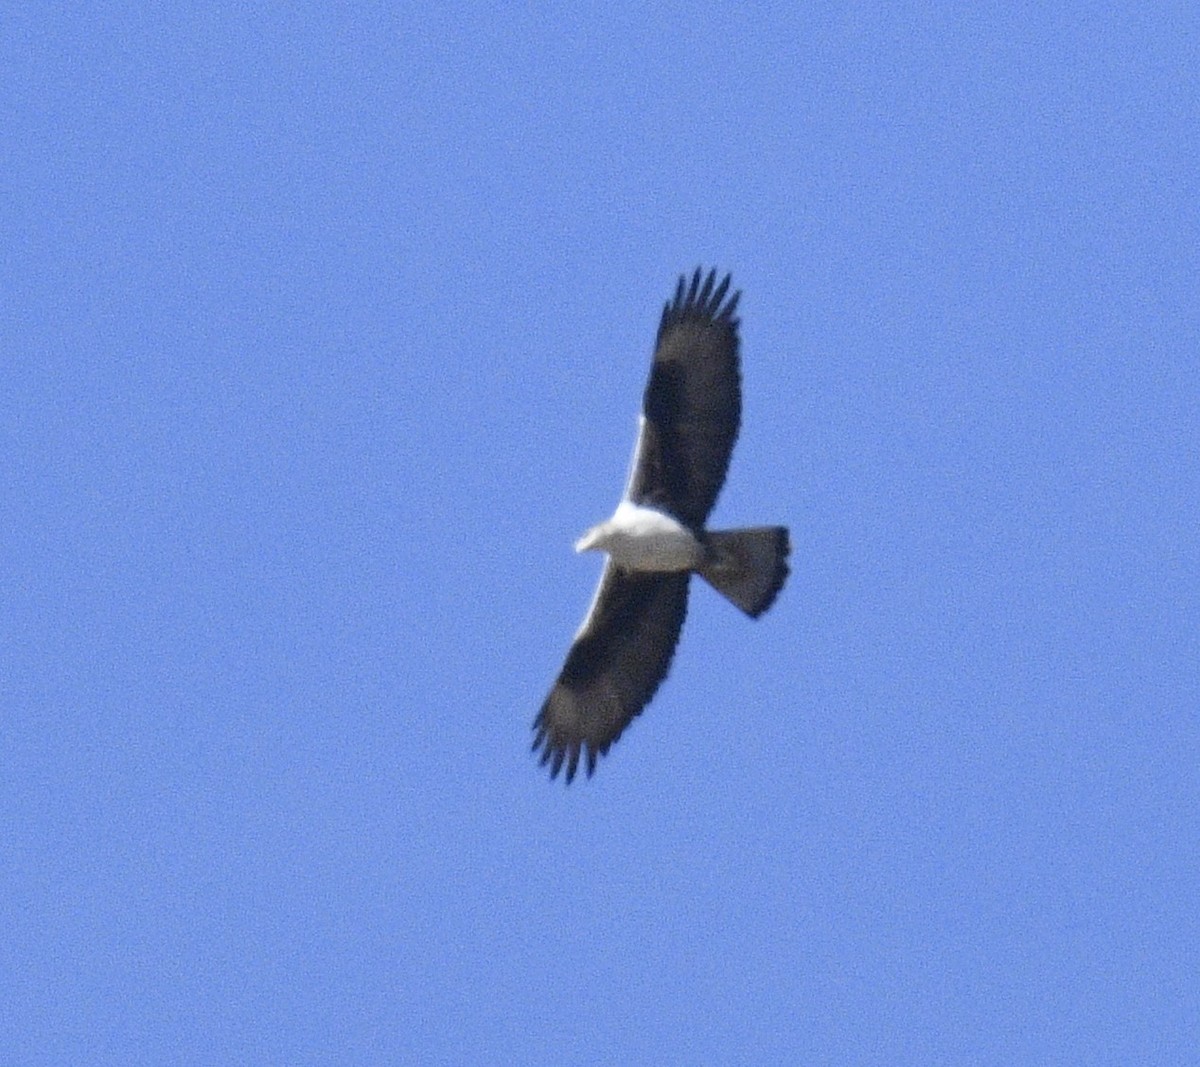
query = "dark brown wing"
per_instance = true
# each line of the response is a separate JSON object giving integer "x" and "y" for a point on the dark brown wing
{"x": 619, "y": 658}
{"x": 693, "y": 403}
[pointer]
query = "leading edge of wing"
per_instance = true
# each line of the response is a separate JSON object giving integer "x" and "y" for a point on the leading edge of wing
{"x": 636, "y": 460}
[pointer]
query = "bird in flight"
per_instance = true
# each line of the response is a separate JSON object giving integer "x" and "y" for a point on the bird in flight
{"x": 656, "y": 540}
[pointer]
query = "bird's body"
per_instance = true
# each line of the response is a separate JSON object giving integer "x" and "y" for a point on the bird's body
{"x": 639, "y": 538}
{"x": 656, "y": 538}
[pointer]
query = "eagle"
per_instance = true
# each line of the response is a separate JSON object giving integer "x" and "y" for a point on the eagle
{"x": 656, "y": 539}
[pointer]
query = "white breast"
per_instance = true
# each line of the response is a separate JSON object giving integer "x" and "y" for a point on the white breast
{"x": 643, "y": 539}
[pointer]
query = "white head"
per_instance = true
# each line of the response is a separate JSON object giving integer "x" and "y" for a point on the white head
{"x": 596, "y": 539}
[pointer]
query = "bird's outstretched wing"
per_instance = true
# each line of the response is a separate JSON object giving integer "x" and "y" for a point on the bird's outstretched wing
{"x": 618, "y": 659}
{"x": 692, "y": 407}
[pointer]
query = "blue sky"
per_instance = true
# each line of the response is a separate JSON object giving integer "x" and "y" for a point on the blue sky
{"x": 324, "y": 331}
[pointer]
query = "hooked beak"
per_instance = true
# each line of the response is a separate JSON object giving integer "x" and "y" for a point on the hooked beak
{"x": 590, "y": 540}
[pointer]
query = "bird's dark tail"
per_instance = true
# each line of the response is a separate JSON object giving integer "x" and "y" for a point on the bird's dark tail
{"x": 747, "y": 566}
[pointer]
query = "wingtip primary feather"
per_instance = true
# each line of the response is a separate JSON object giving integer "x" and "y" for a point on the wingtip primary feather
{"x": 719, "y": 295}
{"x": 701, "y": 296}
{"x": 559, "y": 755}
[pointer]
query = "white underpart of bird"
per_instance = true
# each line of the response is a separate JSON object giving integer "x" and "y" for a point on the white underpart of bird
{"x": 639, "y": 538}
